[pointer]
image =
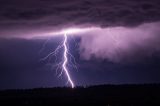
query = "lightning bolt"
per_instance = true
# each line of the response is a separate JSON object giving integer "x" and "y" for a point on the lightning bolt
{"x": 68, "y": 58}
{"x": 65, "y": 61}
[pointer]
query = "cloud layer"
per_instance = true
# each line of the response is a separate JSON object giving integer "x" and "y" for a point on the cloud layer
{"x": 122, "y": 43}
{"x": 125, "y": 28}
{"x": 19, "y": 17}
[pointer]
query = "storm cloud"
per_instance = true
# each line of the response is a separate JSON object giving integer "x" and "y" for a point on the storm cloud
{"x": 126, "y": 28}
{"x": 30, "y": 17}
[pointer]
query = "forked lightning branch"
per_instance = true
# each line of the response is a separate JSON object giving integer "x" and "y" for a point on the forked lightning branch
{"x": 63, "y": 65}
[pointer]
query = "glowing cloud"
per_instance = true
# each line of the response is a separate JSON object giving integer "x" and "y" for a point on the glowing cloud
{"x": 121, "y": 43}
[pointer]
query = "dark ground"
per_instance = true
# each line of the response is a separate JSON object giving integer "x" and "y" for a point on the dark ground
{"x": 103, "y": 95}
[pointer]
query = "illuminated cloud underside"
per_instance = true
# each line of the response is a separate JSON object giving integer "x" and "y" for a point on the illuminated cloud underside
{"x": 121, "y": 43}
{"x": 113, "y": 43}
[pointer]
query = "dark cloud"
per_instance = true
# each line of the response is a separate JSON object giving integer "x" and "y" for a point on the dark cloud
{"x": 52, "y": 14}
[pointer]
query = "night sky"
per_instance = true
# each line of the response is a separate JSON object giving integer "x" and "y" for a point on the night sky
{"x": 122, "y": 45}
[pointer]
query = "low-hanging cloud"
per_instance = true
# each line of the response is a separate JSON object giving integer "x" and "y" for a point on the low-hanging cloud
{"x": 122, "y": 43}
